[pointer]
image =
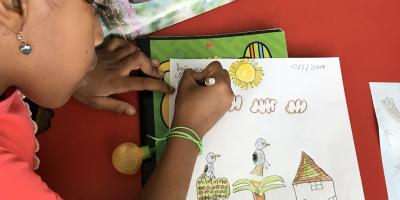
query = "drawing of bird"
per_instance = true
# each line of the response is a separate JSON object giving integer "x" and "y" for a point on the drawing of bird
{"x": 259, "y": 158}
{"x": 209, "y": 168}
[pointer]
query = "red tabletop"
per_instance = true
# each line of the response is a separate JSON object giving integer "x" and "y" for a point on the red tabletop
{"x": 76, "y": 152}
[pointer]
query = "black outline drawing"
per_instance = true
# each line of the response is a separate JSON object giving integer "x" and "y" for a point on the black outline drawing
{"x": 164, "y": 98}
{"x": 263, "y": 53}
{"x": 164, "y": 64}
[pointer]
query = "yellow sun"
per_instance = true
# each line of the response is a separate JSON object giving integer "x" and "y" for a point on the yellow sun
{"x": 246, "y": 75}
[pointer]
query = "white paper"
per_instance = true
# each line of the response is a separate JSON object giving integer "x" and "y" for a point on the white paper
{"x": 386, "y": 98}
{"x": 321, "y": 129}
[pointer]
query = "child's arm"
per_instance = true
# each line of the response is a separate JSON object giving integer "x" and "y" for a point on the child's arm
{"x": 171, "y": 177}
{"x": 199, "y": 108}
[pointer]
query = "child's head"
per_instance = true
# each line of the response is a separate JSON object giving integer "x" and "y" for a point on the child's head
{"x": 63, "y": 35}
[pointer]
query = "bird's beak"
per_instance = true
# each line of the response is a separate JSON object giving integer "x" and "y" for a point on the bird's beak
{"x": 218, "y": 155}
{"x": 266, "y": 146}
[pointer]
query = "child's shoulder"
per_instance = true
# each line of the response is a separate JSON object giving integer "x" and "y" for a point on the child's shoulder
{"x": 16, "y": 126}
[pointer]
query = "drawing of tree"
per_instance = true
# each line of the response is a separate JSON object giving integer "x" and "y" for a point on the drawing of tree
{"x": 259, "y": 188}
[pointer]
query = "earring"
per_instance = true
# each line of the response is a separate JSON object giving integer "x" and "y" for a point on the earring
{"x": 25, "y": 48}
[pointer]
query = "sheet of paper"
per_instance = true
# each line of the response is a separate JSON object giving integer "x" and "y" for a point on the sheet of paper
{"x": 386, "y": 98}
{"x": 287, "y": 137}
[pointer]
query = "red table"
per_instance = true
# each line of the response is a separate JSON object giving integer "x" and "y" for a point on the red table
{"x": 76, "y": 152}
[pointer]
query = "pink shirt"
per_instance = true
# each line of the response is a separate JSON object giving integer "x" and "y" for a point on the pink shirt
{"x": 18, "y": 146}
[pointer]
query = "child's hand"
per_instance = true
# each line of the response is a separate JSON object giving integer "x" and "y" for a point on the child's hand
{"x": 116, "y": 62}
{"x": 200, "y": 107}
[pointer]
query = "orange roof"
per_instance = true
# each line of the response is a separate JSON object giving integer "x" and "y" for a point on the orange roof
{"x": 309, "y": 171}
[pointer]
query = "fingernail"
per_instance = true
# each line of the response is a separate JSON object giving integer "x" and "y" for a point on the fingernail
{"x": 155, "y": 62}
{"x": 130, "y": 111}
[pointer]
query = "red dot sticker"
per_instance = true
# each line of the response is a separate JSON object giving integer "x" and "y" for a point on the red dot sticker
{"x": 209, "y": 45}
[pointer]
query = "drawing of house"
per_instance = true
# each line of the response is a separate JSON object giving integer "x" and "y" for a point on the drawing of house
{"x": 311, "y": 182}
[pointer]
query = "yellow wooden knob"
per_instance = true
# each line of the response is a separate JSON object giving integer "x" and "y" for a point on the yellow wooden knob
{"x": 127, "y": 158}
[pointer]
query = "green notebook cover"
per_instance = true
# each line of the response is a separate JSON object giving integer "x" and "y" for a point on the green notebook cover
{"x": 269, "y": 43}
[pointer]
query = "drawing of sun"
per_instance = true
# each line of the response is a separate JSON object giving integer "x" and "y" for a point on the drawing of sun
{"x": 246, "y": 75}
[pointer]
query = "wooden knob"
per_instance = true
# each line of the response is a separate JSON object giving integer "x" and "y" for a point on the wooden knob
{"x": 127, "y": 158}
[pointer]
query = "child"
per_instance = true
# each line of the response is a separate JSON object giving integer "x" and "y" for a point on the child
{"x": 48, "y": 54}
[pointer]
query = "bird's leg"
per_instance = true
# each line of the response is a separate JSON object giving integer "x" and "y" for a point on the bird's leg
{"x": 266, "y": 164}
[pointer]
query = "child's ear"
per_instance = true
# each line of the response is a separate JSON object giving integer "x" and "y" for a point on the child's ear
{"x": 13, "y": 14}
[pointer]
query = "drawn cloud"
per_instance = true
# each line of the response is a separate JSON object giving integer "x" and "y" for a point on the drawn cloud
{"x": 263, "y": 106}
{"x": 236, "y": 104}
{"x": 298, "y": 106}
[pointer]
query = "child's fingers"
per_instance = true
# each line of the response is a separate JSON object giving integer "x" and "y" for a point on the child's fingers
{"x": 125, "y": 51}
{"x": 147, "y": 66}
{"x": 155, "y": 62}
{"x": 113, "y": 105}
{"x": 227, "y": 76}
{"x": 190, "y": 77}
{"x": 139, "y": 61}
{"x": 212, "y": 69}
{"x": 116, "y": 43}
{"x": 131, "y": 62}
{"x": 215, "y": 70}
{"x": 128, "y": 84}
{"x": 197, "y": 76}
